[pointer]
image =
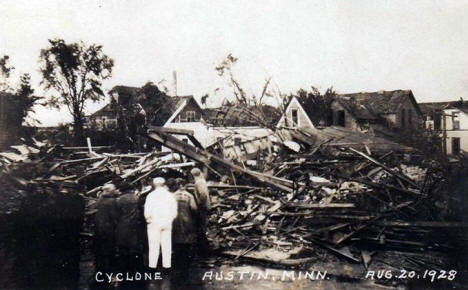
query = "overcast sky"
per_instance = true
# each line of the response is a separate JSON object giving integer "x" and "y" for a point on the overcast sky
{"x": 351, "y": 45}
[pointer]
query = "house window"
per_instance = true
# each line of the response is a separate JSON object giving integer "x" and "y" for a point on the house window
{"x": 103, "y": 122}
{"x": 295, "y": 118}
{"x": 111, "y": 123}
{"x": 437, "y": 121}
{"x": 410, "y": 117}
{"x": 403, "y": 118}
{"x": 455, "y": 121}
{"x": 340, "y": 118}
{"x": 455, "y": 145}
{"x": 185, "y": 140}
{"x": 190, "y": 116}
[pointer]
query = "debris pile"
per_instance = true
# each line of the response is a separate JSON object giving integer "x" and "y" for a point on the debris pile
{"x": 341, "y": 199}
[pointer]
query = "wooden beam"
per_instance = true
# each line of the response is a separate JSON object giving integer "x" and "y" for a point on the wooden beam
{"x": 176, "y": 131}
{"x": 207, "y": 158}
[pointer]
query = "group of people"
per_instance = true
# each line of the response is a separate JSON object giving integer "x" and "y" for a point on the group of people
{"x": 132, "y": 229}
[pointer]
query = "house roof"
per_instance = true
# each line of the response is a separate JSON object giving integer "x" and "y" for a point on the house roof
{"x": 439, "y": 106}
{"x": 107, "y": 110}
{"x": 307, "y": 111}
{"x": 370, "y": 105}
{"x": 177, "y": 104}
{"x": 343, "y": 137}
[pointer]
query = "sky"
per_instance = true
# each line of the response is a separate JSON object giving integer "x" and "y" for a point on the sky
{"x": 352, "y": 45}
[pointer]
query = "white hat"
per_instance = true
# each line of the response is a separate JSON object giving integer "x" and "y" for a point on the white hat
{"x": 195, "y": 172}
{"x": 158, "y": 181}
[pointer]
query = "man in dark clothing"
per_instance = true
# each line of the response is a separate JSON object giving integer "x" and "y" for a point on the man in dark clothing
{"x": 130, "y": 232}
{"x": 202, "y": 198}
{"x": 184, "y": 228}
{"x": 105, "y": 225}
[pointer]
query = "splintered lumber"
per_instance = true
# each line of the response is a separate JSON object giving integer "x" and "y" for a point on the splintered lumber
{"x": 207, "y": 158}
{"x": 85, "y": 147}
{"x": 138, "y": 169}
{"x": 386, "y": 168}
{"x": 81, "y": 160}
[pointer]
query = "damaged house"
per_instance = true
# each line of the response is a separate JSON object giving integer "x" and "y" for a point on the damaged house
{"x": 450, "y": 121}
{"x": 382, "y": 112}
{"x": 244, "y": 132}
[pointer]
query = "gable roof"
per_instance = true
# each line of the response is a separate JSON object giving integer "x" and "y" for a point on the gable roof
{"x": 294, "y": 100}
{"x": 107, "y": 110}
{"x": 177, "y": 104}
{"x": 370, "y": 105}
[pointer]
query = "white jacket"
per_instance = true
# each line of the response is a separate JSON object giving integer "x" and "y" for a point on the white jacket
{"x": 160, "y": 207}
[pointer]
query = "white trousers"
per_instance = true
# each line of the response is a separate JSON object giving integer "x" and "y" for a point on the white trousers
{"x": 159, "y": 237}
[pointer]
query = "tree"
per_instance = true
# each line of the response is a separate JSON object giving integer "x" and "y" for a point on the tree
{"x": 319, "y": 105}
{"x": 22, "y": 99}
{"x": 156, "y": 103}
{"x": 25, "y": 97}
{"x": 75, "y": 71}
{"x": 5, "y": 71}
{"x": 248, "y": 108}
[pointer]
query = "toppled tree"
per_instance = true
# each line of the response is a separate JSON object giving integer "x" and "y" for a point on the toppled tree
{"x": 75, "y": 71}
{"x": 248, "y": 109}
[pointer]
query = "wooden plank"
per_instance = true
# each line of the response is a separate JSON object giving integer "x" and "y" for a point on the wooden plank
{"x": 176, "y": 131}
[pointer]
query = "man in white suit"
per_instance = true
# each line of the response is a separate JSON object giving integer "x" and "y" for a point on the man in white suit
{"x": 160, "y": 211}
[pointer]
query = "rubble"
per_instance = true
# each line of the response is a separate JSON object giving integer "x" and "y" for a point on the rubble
{"x": 343, "y": 201}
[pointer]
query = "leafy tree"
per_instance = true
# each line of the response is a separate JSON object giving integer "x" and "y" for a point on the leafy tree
{"x": 21, "y": 99}
{"x": 25, "y": 97}
{"x": 75, "y": 71}
{"x": 317, "y": 105}
{"x": 156, "y": 103}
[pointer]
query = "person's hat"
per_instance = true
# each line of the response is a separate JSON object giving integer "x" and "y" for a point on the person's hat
{"x": 195, "y": 172}
{"x": 108, "y": 189}
{"x": 159, "y": 181}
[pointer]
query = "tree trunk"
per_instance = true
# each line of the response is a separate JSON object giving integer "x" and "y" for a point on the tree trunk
{"x": 78, "y": 133}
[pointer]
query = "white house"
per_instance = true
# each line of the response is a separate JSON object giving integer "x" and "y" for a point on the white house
{"x": 188, "y": 118}
{"x": 295, "y": 116}
{"x": 450, "y": 120}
